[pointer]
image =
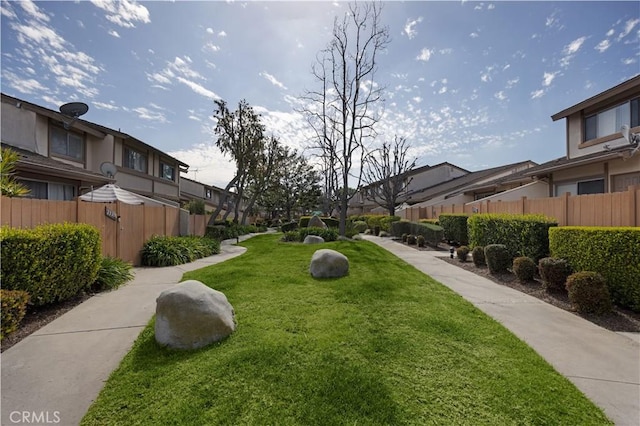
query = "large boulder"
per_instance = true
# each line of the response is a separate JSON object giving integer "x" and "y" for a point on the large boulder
{"x": 326, "y": 263}
{"x": 316, "y": 222}
{"x": 313, "y": 239}
{"x": 192, "y": 315}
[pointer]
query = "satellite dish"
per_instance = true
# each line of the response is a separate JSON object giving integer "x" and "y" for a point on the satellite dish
{"x": 628, "y": 136}
{"x": 108, "y": 169}
{"x": 74, "y": 109}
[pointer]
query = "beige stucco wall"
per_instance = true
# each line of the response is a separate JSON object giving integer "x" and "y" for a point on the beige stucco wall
{"x": 24, "y": 129}
{"x": 536, "y": 189}
{"x": 434, "y": 176}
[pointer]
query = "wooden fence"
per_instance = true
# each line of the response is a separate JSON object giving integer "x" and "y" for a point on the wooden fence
{"x": 124, "y": 228}
{"x": 611, "y": 209}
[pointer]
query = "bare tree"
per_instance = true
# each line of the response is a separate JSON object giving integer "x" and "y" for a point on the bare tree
{"x": 386, "y": 174}
{"x": 342, "y": 111}
{"x": 240, "y": 134}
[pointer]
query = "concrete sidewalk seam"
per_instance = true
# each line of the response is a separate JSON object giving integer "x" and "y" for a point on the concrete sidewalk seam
{"x": 89, "y": 330}
{"x": 605, "y": 380}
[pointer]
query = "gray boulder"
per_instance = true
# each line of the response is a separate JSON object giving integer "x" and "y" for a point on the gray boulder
{"x": 316, "y": 222}
{"x": 192, "y": 315}
{"x": 326, "y": 263}
{"x": 313, "y": 239}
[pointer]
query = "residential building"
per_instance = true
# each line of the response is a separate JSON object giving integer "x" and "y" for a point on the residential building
{"x": 62, "y": 157}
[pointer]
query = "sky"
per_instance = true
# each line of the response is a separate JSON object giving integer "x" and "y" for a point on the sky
{"x": 470, "y": 83}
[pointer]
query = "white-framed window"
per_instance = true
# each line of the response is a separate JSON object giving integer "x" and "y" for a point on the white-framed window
{"x": 49, "y": 190}
{"x": 135, "y": 160}
{"x": 167, "y": 171}
{"x": 610, "y": 121}
{"x": 66, "y": 143}
{"x": 207, "y": 192}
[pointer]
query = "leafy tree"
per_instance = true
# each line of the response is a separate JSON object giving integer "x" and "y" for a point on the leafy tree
{"x": 10, "y": 186}
{"x": 342, "y": 111}
{"x": 386, "y": 174}
{"x": 240, "y": 135}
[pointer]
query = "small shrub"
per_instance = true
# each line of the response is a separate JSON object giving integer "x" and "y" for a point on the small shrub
{"x": 412, "y": 240}
{"x": 404, "y": 237}
{"x": 554, "y": 273}
{"x": 360, "y": 226}
{"x": 112, "y": 274}
{"x": 588, "y": 292}
{"x": 328, "y": 234}
{"x": 195, "y": 207}
{"x": 384, "y": 234}
{"x": 14, "y": 306}
{"x": 524, "y": 268}
{"x": 497, "y": 257}
{"x": 463, "y": 253}
{"x": 290, "y": 236}
{"x": 421, "y": 241}
{"x": 386, "y": 221}
{"x": 171, "y": 251}
{"x": 478, "y": 256}
{"x": 291, "y": 226}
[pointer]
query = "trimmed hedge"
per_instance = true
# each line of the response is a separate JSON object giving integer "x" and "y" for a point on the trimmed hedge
{"x": 554, "y": 273}
{"x": 523, "y": 235}
{"x": 524, "y": 268}
{"x": 51, "y": 262}
{"x": 497, "y": 257}
{"x": 588, "y": 292}
{"x": 455, "y": 227}
{"x": 288, "y": 227}
{"x": 13, "y": 307}
{"x": 611, "y": 251}
{"x": 432, "y": 234}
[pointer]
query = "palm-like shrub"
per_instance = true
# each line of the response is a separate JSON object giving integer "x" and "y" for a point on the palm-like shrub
{"x": 112, "y": 274}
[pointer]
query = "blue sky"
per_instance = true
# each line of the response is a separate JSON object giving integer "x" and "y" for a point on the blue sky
{"x": 471, "y": 83}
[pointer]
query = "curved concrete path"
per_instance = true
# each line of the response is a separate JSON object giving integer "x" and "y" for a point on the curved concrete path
{"x": 604, "y": 365}
{"x": 53, "y": 375}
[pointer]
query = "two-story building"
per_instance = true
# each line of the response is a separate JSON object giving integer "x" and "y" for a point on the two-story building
{"x": 600, "y": 157}
{"x": 62, "y": 157}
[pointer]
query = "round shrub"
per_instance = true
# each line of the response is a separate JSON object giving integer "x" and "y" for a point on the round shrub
{"x": 497, "y": 257}
{"x": 588, "y": 292}
{"x": 478, "y": 256}
{"x": 463, "y": 253}
{"x": 404, "y": 237}
{"x": 360, "y": 226}
{"x": 421, "y": 241}
{"x": 524, "y": 268}
{"x": 14, "y": 307}
{"x": 412, "y": 240}
{"x": 554, "y": 273}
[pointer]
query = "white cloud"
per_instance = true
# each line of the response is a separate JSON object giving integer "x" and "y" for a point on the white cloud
{"x": 500, "y": 95}
{"x": 114, "y": 33}
{"x": 7, "y": 10}
{"x": 425, "y": 55}
{"x": 211, "y": 47}
{"x": 548, "y": 77}
{"x": 629, "y": 61}
{"x": 146, "y": 114}
{"x": 491, "y": 6}
{"x": 446, "y": 51}
{"x": 102, "y": 105}
{"x": 442, "y": 90}
{"x": 409, "y": 27}
{"x": 125, "y": 13}
{"x": 417, "y": 99}
{"x": 513, "y": 82}
{"x": 222, "y": 34}
{"x": 537, "y": 94}
{"x": 199, "y": 89}
{"x": 574, "y": 46}
{"x": 209, "y": 30}
{"x": 33, "y": 10}
{"x": 629, "y": 25}
{"x": 271, "y": 79}
{"x": 603, "y": 45}
{"x": 474, "y": 35}
{"x": 23, "y": 85}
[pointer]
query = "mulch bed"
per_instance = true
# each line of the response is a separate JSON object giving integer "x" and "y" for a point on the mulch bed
{"x": 36, "y": 318}
{"x": 621, "y": 320}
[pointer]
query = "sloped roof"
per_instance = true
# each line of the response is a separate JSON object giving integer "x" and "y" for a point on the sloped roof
{"x": 36, "y": 163}
{"x": 457, "y": 184}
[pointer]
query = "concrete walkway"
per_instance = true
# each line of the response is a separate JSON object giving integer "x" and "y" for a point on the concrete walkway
{"x": 53, "y": 375}
{"x": 604, "y": 365}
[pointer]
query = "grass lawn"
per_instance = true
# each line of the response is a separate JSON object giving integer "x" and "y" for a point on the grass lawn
{"x": 384, "y": 345}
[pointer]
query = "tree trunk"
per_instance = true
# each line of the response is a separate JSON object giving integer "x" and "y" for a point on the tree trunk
{"x": 213, "y": 217}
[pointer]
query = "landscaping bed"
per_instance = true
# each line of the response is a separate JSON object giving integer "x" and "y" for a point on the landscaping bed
{"x": 619, "y": 320}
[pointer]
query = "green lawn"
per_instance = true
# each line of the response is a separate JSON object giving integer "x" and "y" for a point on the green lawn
{"x": 384, "y": 345}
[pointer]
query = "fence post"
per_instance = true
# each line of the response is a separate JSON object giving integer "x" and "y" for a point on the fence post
{"x": 633, "y": 204}
{"x": 565, "y": 198}
{"x": 524, "y": 200}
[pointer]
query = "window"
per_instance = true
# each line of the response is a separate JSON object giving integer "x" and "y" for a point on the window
{"x": 66, "y": 143}
{"x": 135, "y": 160}
{"x": 610, "y": 121}
{"x": 167, "y": 171}
{"x": 50, "y": 190}
{"x": 208, "y": 192}
{"x": 595, "y": 186}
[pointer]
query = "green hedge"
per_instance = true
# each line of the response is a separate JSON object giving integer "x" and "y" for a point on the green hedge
{"x": 612, "y": 251}
{"x": 523, "y": 235}
{"x": 455, "y": 227}
{"x": 13, "y": 308}
{"x": 162, "y": 250}
{"x": 400, "y": 227}
{"x": 52, "y": 262}
{"x": 432, "y": 234}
